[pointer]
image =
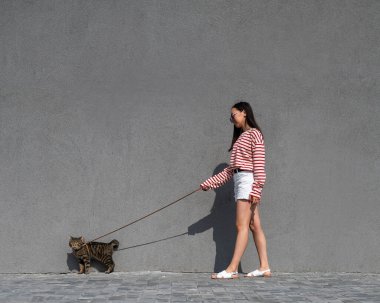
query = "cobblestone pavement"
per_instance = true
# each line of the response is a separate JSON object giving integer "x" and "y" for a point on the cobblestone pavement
{"x": 184, "y": 287}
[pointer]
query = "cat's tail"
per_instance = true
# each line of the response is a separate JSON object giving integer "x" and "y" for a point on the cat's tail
{"x": 115, "y": 244}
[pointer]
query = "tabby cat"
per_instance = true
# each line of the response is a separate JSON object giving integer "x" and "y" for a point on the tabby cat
{"x": 100, "y": 251}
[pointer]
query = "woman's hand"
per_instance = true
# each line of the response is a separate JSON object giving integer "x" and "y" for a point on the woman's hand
{"x": 254, "y": 199}
{"x": 204, "y": 187}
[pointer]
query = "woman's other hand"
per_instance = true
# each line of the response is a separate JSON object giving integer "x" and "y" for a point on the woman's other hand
{"x": 254, "y": 199}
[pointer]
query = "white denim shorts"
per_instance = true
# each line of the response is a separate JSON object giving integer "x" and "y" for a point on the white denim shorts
{"x": 243, "y": 182}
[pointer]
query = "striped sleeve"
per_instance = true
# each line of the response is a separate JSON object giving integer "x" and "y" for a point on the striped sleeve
{"x": 258, "y": 148}
{"x": 219, "y": 179}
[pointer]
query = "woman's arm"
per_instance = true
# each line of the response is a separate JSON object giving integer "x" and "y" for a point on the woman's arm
{"x": 218, "y": 180}
{"x": 259, "y": 175}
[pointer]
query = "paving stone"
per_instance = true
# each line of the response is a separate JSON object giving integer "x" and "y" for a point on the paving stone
{"x": 179, "y": 287}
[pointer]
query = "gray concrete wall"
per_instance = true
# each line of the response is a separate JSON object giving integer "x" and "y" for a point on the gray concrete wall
{"x": 112, "y": 109}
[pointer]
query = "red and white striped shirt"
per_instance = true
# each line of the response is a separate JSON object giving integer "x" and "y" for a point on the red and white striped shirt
{"x": 248, "y": 153}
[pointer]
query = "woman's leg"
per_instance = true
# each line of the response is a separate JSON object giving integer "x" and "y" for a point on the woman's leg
{"x": 259, "y": 238}
{"x": 243, "y": 218}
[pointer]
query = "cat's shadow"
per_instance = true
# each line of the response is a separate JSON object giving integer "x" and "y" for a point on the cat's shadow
{"x": 73, "y": 264}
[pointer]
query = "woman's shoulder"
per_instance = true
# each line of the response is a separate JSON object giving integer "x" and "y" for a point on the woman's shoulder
{"x": 256, "y": 135}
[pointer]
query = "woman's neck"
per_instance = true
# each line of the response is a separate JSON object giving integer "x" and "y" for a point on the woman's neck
{"x": 246, "y": 127}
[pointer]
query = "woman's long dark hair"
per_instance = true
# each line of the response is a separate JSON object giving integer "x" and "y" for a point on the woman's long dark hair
{"x": 250, "y": 119}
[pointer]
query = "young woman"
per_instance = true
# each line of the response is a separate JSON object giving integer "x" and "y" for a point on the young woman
{"x": 247, "y": 168}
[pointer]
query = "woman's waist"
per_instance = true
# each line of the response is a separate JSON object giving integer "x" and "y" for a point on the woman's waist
{"x": 246, "y": 166}
{"x": 236, "y": 170}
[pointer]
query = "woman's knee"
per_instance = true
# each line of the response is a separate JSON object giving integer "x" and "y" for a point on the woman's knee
{"x": 240, "y": 226}
{"x": 242, "y": 216}
{"x": 255, "y": 226}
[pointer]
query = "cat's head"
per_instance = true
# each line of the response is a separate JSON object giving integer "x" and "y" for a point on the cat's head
{"x": 76, "y": 243}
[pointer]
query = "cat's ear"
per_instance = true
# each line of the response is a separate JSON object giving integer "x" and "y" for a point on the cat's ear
{"x": 82, "y": 238}
{"x": 71, "y": 237}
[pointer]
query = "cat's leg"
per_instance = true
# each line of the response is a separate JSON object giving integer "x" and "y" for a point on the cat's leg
{"x": 81, "y": 267}
{"x": 110, "y": 264}
{"x": 86, "y": 265}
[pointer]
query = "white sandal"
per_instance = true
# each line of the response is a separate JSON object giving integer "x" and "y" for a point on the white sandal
{"x": 259, "y": 273}
{"x": 225, "y": 275}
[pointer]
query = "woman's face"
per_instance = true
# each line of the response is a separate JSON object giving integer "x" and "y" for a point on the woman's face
{"x": 237, "y": 117}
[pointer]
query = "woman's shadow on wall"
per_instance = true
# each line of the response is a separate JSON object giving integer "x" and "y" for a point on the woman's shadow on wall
{"x": 222, "y": 220}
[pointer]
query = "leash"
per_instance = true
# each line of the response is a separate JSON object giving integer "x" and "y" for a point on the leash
{"x": 156, "y": 211}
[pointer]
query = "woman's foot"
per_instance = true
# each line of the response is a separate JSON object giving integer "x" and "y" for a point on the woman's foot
{"x": 259, "y": 273}
{"x": 225, "y": 275}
